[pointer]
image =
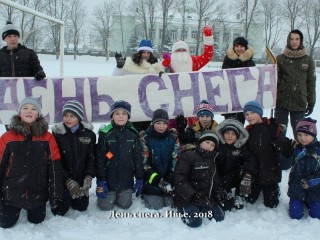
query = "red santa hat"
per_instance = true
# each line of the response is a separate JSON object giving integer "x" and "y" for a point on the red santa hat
{"x": 180, "y": 44}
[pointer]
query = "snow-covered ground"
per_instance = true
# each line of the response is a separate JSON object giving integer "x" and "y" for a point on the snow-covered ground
{"x": 254, "y": 222}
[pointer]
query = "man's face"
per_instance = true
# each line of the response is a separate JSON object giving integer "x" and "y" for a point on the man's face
{"x": 12, "y": 41}
{"x": 295, "y": 41}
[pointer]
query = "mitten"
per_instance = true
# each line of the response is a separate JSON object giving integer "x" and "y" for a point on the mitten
{"x": 165, "y": 187}
{"x": 228, "y": 204}
{"x": 120, "y": 60}
{"x": 181, "y": 123}
{"x": 288, "y": 146}
{"x": 137, "y": 189}
{"x": 245, "y": 185}
{"x": 74, "y": 188}
{"x": 313, "y": 182}
{"x": 208, "y": 35}
{"x": 202, "y": 201}
{"x": 40, "y": 75}
{"x": 86, "y": 185}
{"x": 102, "y": 189}
{"x": 166, "y": 59}
{"x": 309, "y": 109}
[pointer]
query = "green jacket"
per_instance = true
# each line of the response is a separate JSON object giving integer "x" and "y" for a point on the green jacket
{"x": 296, "y": 80}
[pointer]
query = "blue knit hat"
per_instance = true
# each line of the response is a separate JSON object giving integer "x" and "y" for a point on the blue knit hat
{"x": 254, "y": 107}
{"x": 145, "y": 45}
{"x": 75, "y": 107}
{"x": 205, "y": 109}
{"x": 123, "y": 105}
{"x": 30, "y": 100}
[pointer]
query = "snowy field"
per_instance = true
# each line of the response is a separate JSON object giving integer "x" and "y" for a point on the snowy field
{"x": 254, "y": 222}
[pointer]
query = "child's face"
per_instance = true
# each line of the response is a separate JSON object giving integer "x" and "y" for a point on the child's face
{"x": 253, "y": 117}
{"x": 304, "y": 138}
{"x": 70, "y": 120}
{"x": 120, "y": 117}
{"x": 29, "y": 114}
{"x": 205, "y": 120}
{"x": 208, "y": 145}
{"x": 230, "y": 137}
{"x": 160, "y": 126}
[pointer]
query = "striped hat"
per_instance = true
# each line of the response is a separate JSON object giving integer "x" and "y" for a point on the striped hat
{"x": 74, "y": 107}
{"x": 205, "y": 109}
{"x": 308, "y": 126}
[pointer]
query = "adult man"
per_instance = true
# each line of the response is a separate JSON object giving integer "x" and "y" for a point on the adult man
{"x": 17, "y": 60}
{"x": 296, "y": 91}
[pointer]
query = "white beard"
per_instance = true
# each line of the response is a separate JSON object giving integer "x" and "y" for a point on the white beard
{"x": 181, "y": 62}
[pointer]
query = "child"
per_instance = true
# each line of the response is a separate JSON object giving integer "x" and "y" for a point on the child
{"x": 304, "y": 178}
{"x": 119, "y": 159}
{"x": 30, "y": 168}
{"x": 198, "y": 190}
{"x": 236, "y": 164}
{"x": 160, "y": 151}
{"x": 76, "y": 142}
{"x": 205, "y": 122}
{"x": 265, "y": 139}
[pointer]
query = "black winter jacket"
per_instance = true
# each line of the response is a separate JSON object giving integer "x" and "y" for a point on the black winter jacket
{"x": 30, "y": 167}
{"x": 19, "y": 62}
{"x": 77, "y": 150}
{"x": 119, "y": 156}
{"x": 233, "y": 60}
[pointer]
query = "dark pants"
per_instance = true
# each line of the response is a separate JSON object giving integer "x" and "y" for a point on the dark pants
{"x": 9, "y": 215}
{"x": 282, "y": 114}
{"x": 296, "y": 208}
{"x": 80, "y": 204}
{"x": 193, "y": 214}
{"x": 271, "y": 194}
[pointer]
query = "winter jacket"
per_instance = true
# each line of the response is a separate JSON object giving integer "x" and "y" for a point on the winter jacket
{"x": 296, "y": 80}
{"x": 233, "y": 60}
{"x": 195, "y": 172}
{"x": 192, "y": 133}
{"x": 19, "y": 62}
{"x": 144, "y": 68}
{"x": 235, "y": 160}
{"x": 77, "y": 150}
{"x": 119, "y": 156}
{"x": 30, "y": 167}
{"x": 305, "y": 165}
{"x": 161, "y": 153}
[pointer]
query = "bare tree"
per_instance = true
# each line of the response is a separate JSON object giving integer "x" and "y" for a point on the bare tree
{"x": 103, "y": 23}
{"x": 250, "y": 10}
{"x": 184, "y": 9}
{"x": 166, "y": 5}
{"x": 291, "y": 10}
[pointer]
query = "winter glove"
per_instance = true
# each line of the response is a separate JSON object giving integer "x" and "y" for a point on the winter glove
{"x": 40, "y": 75}
{"x": 207, "y": 31}
{"x": 309, "y": 109}
{"x": 166, "y": 59}
{"x": 137, "y": 189}
{"x": 181, "y": 123}
{"x": 74, "y": 188}
{"x": 314, "y": 182}
{"x": 165, "y": 187}
{"x": 120, "y": 60}
{"x": 102, "y": 189}
{"x": 86, "y": 185}
{"x": 288, "y": 146}
{"x": 228, "y": 204}
{"x": 201, "y": 201}
{"x": 245, "y": 185}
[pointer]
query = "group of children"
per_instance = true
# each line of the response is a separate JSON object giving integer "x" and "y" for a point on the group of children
{"x": 203, "y": 170}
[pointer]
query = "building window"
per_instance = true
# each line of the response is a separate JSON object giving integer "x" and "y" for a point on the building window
{"x": 194, "y": 34}
{"x": 160, "y": 33}
{"x": 238, "y": 16}
{"x": 173, "y": 35}
{"x": 226, "y": 37}
{"x": 185, "y": 34}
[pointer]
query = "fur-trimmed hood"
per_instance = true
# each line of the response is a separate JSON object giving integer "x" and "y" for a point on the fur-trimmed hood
{"x": 59, "y": 128}
{"x": 294, "y": 53}
{"x": 245, "y": 56}
{"x": 243, "y": 136}
{"x": 144, "y": 68}
{"x": 38, "y": 128}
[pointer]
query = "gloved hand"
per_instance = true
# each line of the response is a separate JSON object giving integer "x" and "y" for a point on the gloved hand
{"x": 181, "y": 122}
{"x": 40, "y": 75}
{"x": 102, "y": 189}
{"x": 309, "y": 109}
{"x": 288, "y": 146}
{"x": 166, "y": 59}
{"x": 73, "y": 188}
{"x": 120, "y": 60}
{"x": 86, "y": 185}
{"x": 202, "y": 201}
{"x": 245, "y": 185}
{"x": 165, "y": 187}
{"x": 228, "y": 204}
{"x": 207, "y": 31}
{"x": 137, "y": 189}
{"x": 304, "y": 183}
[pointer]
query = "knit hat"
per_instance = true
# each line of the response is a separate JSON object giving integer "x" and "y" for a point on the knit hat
{"x": 123, "y": 105}
{"x": 180, "y": 44}
{"x": 205, "y": 109}
{"x": 74, "y": 107}
{"x": 160, "y": 115}
{"x": 308, "y": 126}
{"x": 209, "y": 135}
{"x": 145, "y": 45}
{"x": 30, "y": 100}
{"x": 254, "y": 107}
{"x": 231, "y": 128}
{"x": 241, "y": 41}
{"x": 296, "y": 31}
{"x": 9, "y": 29}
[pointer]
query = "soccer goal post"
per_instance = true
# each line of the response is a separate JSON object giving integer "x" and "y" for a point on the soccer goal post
{"x": 44, "y": 16}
